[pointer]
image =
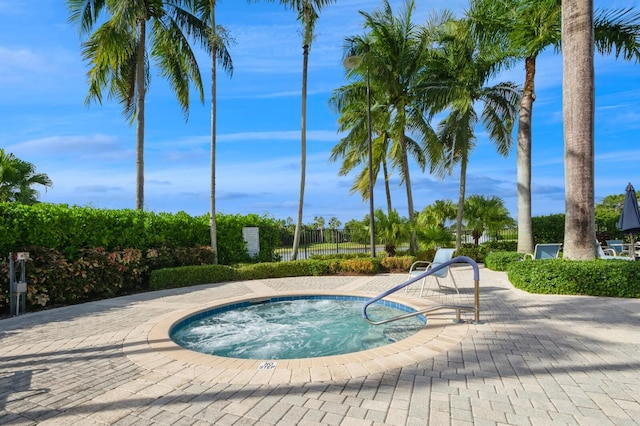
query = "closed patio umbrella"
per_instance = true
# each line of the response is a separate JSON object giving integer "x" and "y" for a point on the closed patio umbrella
{"x": 630, "y": 218}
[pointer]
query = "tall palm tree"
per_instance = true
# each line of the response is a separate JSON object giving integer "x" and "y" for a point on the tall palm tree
{"x": 217, "y": 42}
{"x": 17, "y": 178}
{"x": 456, "y": 81}
{"x": 308, "y": 12}
{"x": 397, "y": 55}
{"x": 578, "y": 105}
{"x": 525, "y": 28}
{"x": 350, "y": 102}
{"x": 119, "y": 59}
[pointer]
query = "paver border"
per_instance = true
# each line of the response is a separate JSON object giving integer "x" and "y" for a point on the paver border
{"x": 151, "y": 348}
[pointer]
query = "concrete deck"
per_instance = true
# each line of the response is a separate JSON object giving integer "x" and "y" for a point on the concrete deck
{"x": 533, "y": 360}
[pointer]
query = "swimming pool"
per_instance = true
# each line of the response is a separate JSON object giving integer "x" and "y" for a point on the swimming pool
{"x": 293, "y": 327}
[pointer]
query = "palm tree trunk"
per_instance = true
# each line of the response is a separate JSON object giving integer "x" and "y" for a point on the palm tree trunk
{"x": 463, "y": 185}
{"x": 212, "y": 219}
{"x": 387, "y": 189}
{"x": 413, "y": 245}
{"x": 140, "y": 95}
{"x": 303, "y": 155}
{"x": 525, "y": 227}
{"x": 578, "y": 116}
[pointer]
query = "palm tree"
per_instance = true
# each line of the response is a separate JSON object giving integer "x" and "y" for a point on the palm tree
{"x": 217, "y": 42}
{"x": 17, "y": 178}
{"x": 525, "y": 28}
{"x": 350, "y": 102}
{"x": 486, "y": 214}
{"x": 119, "y": 59}
{"x": 455, "y": 80}
{"x": 578, "y": 105}
{"x": 391, "y": 230}
{"x": 431, "y": 223}
{"x": 397, "y": 55}
{"x": 308, "y": 12}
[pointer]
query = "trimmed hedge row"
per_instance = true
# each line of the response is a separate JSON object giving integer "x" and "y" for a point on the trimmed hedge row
{"x": 609, "y": 278}
{"x": 70, "y": 230}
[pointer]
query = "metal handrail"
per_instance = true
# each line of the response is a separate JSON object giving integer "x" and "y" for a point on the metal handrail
{"x": 458, "y": 308}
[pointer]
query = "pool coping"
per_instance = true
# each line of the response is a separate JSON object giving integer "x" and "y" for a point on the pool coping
{"x": 150, "y": 347}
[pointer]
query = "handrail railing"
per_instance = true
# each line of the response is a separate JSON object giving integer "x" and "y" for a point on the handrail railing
{"x": 458, "y": 308}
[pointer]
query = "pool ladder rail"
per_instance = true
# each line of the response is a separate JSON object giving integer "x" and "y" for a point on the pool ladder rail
{"x": 457, "y": 308}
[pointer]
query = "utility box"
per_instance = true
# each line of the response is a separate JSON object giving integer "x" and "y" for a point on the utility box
{"x": 17, "y": 285}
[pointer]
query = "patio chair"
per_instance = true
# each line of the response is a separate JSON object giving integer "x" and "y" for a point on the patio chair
{"x": 544, "y": 251}
{"x": 616, "y": 246}
{"x": 420, "y": 266}
{"x": 609, "y": 253}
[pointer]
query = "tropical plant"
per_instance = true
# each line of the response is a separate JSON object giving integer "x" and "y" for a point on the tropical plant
{"x": 486, "y": 214}
{"x": 119, "y": 58}
{"x": 308, "y": 12}
{"x": 391, "y": 230}
{"x": 525, "y": 28}
{"x": 394, "y": 52}
{"x": 17, "y": 178}
{"x": 218, "y": 42}
{"x": 578, "y": 107}
{"x": 456, "y": 81}
{"x": 431, "y": 224}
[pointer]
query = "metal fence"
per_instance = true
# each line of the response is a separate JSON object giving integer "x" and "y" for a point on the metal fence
{"x": 336, "y": 241}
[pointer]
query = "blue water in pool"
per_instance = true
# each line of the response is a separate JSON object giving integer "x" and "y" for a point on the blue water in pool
{"x": 289, "y": 329}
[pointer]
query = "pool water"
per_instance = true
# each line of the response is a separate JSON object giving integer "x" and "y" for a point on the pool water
{"x": 290, "y": 329}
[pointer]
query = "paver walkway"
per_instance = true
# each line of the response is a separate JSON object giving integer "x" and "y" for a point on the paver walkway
{"x": 534, "y": 360}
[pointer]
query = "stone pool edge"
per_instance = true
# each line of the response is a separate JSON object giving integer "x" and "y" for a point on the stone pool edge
{"x": 150, "y": 347}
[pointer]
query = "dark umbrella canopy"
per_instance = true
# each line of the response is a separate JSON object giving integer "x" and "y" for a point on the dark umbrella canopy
{"x": 630, "y": 218}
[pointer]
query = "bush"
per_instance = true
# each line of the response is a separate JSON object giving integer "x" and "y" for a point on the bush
{"x": 191, "y": 275}
{"x": 499, "y": 260}
{"x": 397, "y": 263}
{"x": 501, "y": 245}
{"x": 548, "y": 229}
{"x": 610, "y": 278}
{"x": 476, "y": 253}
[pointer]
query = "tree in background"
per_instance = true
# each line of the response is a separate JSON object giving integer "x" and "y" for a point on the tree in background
{"x": 431, "y": 224}
{"x": 119, "y": 58}
{"x": 308, "y": 12}
{"x": 217, "y": 44}
{"x": 525, "y": 28}
{"x": 391, "y": 230}
{"x": 17, "y": 178}
{"x": 456, "y": 81}
{"x": 486, "y": 214}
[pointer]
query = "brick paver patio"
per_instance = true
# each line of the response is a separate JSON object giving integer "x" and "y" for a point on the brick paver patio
{"x": 533, "y": 360}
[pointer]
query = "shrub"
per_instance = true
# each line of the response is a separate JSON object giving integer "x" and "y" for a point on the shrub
{"x": 501, "y": 245}
{"x": 191, "y": 275}
{"x": 476, "y": 253}
{"x": 499, "y": 260}
{"x": 360, "y": 266}
{"x": 397, "y": 263}
{"x": 610, "y": 278}
{"x": 548, "y": 229}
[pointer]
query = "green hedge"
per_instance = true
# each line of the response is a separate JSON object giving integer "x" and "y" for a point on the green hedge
{"x": 70, "y": 230}
{"x": 611, "y": 278}
{"x": 499, "y": 260}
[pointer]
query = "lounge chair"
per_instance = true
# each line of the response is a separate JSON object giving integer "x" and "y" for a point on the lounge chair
{"x": 544, "y": 251}
{"x": 609, "y": 253}
{"x": 442, "y": 255}
{"x": 616, "y": 246}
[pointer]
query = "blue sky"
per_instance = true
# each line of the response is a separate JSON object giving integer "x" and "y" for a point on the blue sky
{"x": 89, "y": 152}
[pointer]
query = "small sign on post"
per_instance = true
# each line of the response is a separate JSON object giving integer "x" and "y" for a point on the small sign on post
{"x": 251, "y": 236}
{"x": 17, "y": 288}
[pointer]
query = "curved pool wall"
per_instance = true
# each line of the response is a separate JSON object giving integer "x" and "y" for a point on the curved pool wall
{"x": 151, "y": 347}
{"x": 373, "y": 332}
